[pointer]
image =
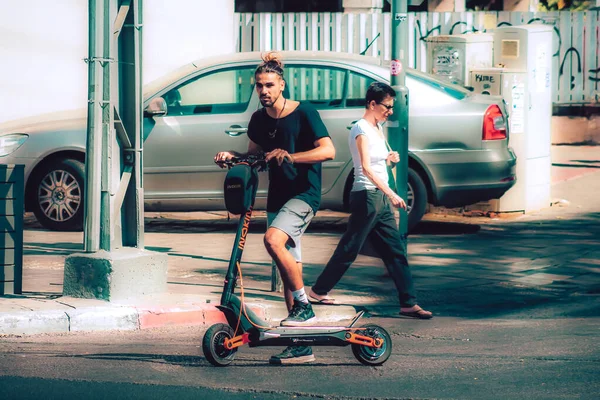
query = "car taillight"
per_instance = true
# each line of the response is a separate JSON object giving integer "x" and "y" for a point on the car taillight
{"x": 494, "y": 125}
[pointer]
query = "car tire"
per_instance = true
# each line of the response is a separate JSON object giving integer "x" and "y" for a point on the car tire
{"x": 58, "y": 188}
{"x": 418, "y": 200}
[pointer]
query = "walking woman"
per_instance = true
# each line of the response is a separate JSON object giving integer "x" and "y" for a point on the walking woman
{"x": 371, "y": 201}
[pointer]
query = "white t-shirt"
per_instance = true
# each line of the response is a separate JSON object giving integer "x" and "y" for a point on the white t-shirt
{"x": 378, "y": 153}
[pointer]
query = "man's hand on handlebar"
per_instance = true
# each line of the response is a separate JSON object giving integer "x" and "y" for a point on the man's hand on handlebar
{"x": 280, "y": 156}
{"x": 222, "y": 157}
{"x": 227, "y": 159}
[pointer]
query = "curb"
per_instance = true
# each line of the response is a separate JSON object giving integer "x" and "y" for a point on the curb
{"x": 110, "y": 318}
{"x": 130, "y": 318}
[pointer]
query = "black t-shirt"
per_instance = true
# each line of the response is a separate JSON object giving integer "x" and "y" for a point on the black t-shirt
{"x": 296, "y": 132}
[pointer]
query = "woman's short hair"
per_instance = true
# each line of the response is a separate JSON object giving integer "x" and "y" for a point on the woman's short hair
{"x": 271, "y": 62}
{"x": 377, "y": 92}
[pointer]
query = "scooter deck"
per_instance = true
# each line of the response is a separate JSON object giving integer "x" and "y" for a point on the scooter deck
{"x": 248, "y": 320}
{"x": 310, "y": 335}
{"x": 308, "y": 329}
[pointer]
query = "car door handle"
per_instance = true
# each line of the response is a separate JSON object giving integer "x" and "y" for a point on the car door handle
{"x": 235, "y": 130}
{"x": 351, "y": 125}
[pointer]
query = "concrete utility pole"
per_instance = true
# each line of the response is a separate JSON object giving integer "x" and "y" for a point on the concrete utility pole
{"x": 114, "y": 127}
{"x": 398, "y": 122}
{"x": 115, "y": 264}
{"x": 98, "y": 67}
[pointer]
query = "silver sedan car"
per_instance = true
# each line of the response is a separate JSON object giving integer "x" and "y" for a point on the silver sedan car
{"x": 458, "y": 141}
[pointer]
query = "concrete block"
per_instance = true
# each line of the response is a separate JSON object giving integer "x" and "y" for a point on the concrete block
{"x": 32, "y": 322}
{"x": 114, "y": 276}
{"x": 575, "y": 129}
{"x": 103, "y": 319}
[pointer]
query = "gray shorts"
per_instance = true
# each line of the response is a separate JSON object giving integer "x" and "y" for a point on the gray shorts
{"x": 293, "y": 218}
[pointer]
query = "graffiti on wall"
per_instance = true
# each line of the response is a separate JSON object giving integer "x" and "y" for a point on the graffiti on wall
{"x": 570, "y": 57}
{"x": 576, "y": 56}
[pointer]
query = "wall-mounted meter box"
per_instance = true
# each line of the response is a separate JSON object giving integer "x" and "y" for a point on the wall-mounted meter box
{"x": 452, "y": 56}
{"x": 486, "y": 81}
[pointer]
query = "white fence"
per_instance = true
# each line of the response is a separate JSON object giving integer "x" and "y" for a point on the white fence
{"x": 576, "y": 61}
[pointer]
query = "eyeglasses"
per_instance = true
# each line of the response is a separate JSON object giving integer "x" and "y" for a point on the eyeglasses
{"x": 389, "y": 107}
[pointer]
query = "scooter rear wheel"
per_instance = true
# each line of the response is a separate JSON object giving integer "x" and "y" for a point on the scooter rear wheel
{"x": 373, "y": 355}
{"x": 213, "y": 345}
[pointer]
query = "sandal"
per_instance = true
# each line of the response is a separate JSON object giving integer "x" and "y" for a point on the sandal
{"x": 320, "y": 298}
{"x": 418, "y": 313}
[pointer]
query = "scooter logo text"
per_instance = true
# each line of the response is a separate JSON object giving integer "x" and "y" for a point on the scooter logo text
{"x": 245, "y": 229}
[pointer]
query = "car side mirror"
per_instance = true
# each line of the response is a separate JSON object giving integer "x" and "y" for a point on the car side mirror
{"x": 157, "y": 107}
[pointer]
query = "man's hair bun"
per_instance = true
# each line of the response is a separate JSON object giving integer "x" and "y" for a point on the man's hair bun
{"x": 271, "y": 62}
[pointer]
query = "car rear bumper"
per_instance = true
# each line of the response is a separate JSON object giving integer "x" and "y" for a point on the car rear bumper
{"x": 465, "y": 195}
{"x": 466, "y": 177}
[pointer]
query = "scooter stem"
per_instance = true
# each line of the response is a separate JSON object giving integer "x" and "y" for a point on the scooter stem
{"x": 236, "y": 256}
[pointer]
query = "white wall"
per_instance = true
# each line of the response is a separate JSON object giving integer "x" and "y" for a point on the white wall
{"x": 43, "y": 44}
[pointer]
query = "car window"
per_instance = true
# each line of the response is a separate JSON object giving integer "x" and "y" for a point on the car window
{"x": 432, "y": 81}
{"x": 222, "y": 92}
{"x": 357, "y": 89}
{"x": 321, "y": 86}
{"x": 430, "y": 95}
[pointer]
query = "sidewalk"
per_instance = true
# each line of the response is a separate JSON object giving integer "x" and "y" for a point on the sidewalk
{"x": 464, "y": 267}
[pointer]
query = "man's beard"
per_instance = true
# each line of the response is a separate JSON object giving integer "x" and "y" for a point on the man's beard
{"x": 267, "y": 103}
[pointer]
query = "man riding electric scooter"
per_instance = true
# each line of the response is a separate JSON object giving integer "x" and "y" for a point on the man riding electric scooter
{"x": 292, "y": 135}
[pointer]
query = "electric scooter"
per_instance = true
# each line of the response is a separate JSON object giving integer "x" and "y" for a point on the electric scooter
{"x": 371, "y": 344}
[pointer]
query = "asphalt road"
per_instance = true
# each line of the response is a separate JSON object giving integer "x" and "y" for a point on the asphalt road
{"x": 445, "y": 358}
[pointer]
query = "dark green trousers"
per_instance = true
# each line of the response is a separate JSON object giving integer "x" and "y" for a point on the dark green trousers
{"x": 371, "y": 216}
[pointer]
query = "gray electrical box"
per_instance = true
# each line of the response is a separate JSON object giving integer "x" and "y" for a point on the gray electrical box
{"x": 525, "y": 54}
{"x": 452, "y": 56}
{"x": 486, "y": 81}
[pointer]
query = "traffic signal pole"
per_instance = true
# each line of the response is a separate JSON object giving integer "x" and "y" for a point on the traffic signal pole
{"x": 398, "y": 122}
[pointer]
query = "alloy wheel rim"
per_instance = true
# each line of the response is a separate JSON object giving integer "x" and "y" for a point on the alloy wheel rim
{"x": 410, "y": 198}
{"x": 59, "y": 196}
{"x": 219, "y": 345}
{"x": 374, "y": 352}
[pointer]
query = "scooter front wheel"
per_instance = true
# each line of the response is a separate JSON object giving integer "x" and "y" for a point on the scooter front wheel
{"x": 373, "y": 355}
{"x": 213, "y": 345}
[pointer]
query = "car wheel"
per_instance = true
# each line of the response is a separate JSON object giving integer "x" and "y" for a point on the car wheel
{"x": 58, "y": 189}
{"x": 416, "y": 200}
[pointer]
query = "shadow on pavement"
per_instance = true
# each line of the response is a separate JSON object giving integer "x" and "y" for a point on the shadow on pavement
{"x": 548, "y": 268}
{"x": 535, "y": 269}
{"x": 444, "y": 228}
{"x": 582, "y": 165}
{"x": 63, "y": 248}
{"x": 248, "y": 360}
{"x": 531, "y": 268}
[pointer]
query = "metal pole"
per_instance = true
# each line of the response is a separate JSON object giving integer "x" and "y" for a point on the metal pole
{"x": 137, "y": 237}
{"x": 130, "y": 110}
{"x": 93, "y": 155}
{"x": 107, "y": 131}
{"x": 398, "y": 122}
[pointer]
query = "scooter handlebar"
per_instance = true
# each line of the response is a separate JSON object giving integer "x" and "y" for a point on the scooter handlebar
{"x": 255, "y": 161}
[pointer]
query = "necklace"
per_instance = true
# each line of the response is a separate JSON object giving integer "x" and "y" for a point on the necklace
{"x": 272, "y": 134}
